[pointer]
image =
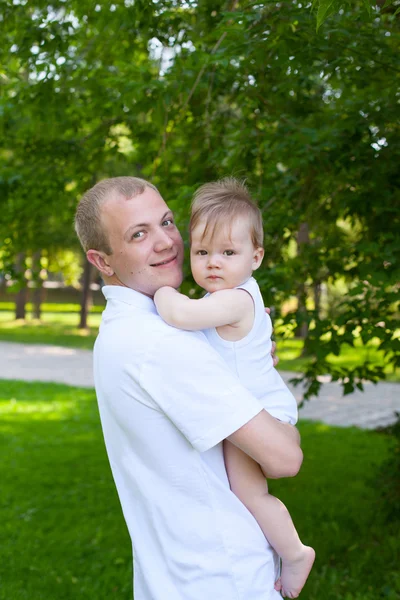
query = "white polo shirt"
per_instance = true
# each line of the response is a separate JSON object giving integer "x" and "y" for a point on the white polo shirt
{"x": 166, "y": 401}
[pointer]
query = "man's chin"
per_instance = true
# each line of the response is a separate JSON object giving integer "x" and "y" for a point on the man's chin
{"x": 175, "y": 281}
{"x": 172, "y": 279}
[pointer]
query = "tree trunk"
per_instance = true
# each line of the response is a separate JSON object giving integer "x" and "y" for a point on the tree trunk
{"x": 86, "y": 299}
{"x": 22, "y": 295}
{"x": 302, "y": 239}
{"x": 317, "y": 297}
{"x": 20, "y": 302}
{"x": 37, "y": 295}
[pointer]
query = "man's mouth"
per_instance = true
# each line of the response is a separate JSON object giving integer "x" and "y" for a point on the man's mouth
{"x": 167, "y": 261}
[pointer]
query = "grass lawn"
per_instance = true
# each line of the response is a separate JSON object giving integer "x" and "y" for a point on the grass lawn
{"x": 59, "y": 326}
{"x": 55, "y": 328}
{"x": 63, "y": 535}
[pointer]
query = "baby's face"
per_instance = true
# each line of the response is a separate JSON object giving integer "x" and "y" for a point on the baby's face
{"x": 224, "y": 258}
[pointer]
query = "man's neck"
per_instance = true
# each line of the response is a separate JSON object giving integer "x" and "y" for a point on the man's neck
{"x": 114, "y": 280}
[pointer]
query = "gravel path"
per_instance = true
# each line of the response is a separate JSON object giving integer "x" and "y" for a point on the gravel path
{"x": 375, "y": 407}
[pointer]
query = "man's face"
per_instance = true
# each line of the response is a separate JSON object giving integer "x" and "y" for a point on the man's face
{"x": 147, "y": 246}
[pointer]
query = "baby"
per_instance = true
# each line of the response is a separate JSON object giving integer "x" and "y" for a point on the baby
{"x": 226, "y": 236}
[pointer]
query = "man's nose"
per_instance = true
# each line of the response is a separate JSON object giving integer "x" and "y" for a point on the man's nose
{"x": 163, "y": 241}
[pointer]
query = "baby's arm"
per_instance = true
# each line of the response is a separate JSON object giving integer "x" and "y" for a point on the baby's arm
{"x": 225, "y": 307}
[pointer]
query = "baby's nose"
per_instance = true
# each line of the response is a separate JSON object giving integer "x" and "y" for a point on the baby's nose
{"x": 213, "y": 260}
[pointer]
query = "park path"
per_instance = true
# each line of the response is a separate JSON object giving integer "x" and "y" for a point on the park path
{"x": 375, "y": 407}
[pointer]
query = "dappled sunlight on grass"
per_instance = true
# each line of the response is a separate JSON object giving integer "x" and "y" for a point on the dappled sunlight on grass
{"x": 56, "y": 411}
{"x": 41, "y": 402}
{"x": 321, "y": 427}
{"x": 82, "y": 332}
{"x": 60, "y": 329}
{"x": 57, "y": 318}
{"x": 50, "y": 307}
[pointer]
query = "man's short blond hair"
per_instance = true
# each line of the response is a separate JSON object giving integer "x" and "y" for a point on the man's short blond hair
{"x": 221, "y": 202}
{"x": 88, "y": 224}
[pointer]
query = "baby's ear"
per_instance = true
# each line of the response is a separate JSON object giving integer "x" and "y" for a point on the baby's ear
{"x": 258, "y": 256}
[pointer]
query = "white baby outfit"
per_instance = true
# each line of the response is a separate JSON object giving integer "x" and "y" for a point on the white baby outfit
{"x": 250, "y": 358}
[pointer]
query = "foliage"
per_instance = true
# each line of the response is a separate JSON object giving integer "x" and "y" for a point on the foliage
{"x": 67, "y": 264}
{"x": 303, "y": 117}
{"x": 325, "y": 8}
{"x": 388, "y": 478}
{"x": 182, "y": 93}
{"x": 64, "y": 535}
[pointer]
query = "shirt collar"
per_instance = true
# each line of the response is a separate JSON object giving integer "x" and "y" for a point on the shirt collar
{"x": 128, "y": 296}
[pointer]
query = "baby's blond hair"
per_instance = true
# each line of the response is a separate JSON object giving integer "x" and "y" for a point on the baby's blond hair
{"x": 220, "y": 202}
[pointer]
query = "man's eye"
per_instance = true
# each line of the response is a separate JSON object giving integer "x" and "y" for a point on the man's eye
{"x": 137, "y": 235}
{"x": 167, "y": 222}
{"x": 229, "y": 252}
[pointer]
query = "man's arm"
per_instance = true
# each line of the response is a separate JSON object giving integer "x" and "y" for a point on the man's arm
{"x": 275, "y": 446}
{"x": 225, "y": 307}
{"x": 208, "y": 404}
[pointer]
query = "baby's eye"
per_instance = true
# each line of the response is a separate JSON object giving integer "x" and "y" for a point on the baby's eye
{"x": 167, "y": 222}
{"x": 202, "y": 252}
{"x": 137, "y": 235}
{"x": 229, "y": 252}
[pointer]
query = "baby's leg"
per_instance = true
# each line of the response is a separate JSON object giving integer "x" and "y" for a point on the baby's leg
{"x": 248, "y": 483}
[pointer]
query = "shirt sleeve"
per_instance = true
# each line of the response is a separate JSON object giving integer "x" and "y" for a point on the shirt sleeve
{"x": 191, "y": 383}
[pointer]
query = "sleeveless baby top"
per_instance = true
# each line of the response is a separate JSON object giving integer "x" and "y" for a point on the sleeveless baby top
{"x": 250, "y": 358}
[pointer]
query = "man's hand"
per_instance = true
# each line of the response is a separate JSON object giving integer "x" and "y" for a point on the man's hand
{"x": 275, "y": 359}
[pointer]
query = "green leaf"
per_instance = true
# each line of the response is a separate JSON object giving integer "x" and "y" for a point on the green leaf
{"x": 368, "y": 6}
{"x": 348, "y": 387}
{"x": 324, "y": 9}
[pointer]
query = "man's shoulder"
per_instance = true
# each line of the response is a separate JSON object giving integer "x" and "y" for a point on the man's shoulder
{"x": 148, "y": 348}
{"x": 141, "y": 331}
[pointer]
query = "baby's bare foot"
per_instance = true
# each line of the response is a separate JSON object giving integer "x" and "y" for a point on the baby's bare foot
{"x": 295, "y": 572}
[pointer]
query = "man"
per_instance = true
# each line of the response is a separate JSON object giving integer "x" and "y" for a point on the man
{"x": 167, "y": 401}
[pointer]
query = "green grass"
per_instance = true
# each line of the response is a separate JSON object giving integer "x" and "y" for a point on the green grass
{"x": 52, "y": 307}
{"x": 337, "y": 509}
{"x": 63, "y": 535}
{"x": 55, "y": 328}
{"x": 59, "y": 326}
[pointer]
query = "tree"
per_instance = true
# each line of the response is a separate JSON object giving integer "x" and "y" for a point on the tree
{"x": 304, "y": 118}
{"x": 185, "y": 93}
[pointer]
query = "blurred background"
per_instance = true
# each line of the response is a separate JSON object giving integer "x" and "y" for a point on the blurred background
{"x": 300, "y": 99}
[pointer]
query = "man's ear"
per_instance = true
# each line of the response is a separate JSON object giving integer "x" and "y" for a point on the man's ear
{"x": 257, "y": 257}
{"x": 99, "y": 260}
